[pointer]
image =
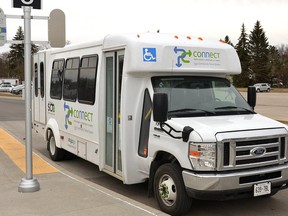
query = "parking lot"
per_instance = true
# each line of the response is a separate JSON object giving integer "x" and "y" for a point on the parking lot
{"x": 273, "y": 105}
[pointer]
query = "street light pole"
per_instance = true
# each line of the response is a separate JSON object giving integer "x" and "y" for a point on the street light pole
{"x": 29, "y": 183}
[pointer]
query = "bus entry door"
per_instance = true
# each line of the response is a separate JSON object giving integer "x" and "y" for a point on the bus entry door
{"x": 39, "y": 88}
{"x": 114, "y": 69}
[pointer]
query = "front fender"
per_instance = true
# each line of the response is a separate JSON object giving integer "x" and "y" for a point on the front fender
{"x": 52, "y": 125}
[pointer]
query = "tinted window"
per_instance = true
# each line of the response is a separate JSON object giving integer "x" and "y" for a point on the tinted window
{"x": 42, "y": 79}
{"x": 145, "y": 125}
{"x": 87, "y": 79}
{"x": 56, "y": 79}
{"x": 36, "y": 79}
{"x": 200, "y": 96}
{"x": 70, "y": 79}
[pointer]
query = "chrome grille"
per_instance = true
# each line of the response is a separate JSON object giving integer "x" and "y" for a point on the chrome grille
{"x": 252, "y": 152}
{"x": 244, "y": 149}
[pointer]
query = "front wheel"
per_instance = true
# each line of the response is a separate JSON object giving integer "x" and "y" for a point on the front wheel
{"x": 56, "y": 154}
{"x": 170, "y": 190}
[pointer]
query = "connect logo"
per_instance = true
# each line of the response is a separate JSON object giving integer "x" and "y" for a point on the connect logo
{"x": 76, "y": 114}
{"x": 68, "y": 114}
{"x": 2, "y": 30}
{"x": 184, "y": 55}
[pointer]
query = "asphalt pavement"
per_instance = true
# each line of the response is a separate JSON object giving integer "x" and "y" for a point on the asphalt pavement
{"x": 63, "y": 193}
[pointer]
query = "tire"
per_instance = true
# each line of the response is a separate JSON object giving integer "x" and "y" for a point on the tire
{"x": 56, "y": 154}
{"x": 170, "y": 191}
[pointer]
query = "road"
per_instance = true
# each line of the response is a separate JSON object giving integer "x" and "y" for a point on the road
{"x": 273, "y": 105}
{"x": 12, "y": 118}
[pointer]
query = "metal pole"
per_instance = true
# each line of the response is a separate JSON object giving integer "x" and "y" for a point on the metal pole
{"x": 30, "y": 183}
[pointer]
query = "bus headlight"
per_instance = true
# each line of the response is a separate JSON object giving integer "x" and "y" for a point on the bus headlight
{"x": 203, "y": 156}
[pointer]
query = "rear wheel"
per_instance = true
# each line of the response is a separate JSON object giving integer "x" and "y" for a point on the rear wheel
{"x": 170, "y": 191}
{"x": 55, "y": 153}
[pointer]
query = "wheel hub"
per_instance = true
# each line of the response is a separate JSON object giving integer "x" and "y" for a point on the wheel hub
{"x": 167, "y": 191}
{"x": 52, "y": 146}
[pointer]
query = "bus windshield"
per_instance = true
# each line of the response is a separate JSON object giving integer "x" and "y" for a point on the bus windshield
{"x": 200, "y": 96}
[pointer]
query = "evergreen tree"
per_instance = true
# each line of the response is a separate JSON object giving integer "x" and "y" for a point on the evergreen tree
{"x": 4, "y": 72}
{"x": 258, "y": 50}
{"x": 228, "y": 41}
{"x": 2, "y": 68}
{"x": 16, "y": 55}
{"x": 282, "y": 74}
{"x": 242, "y": 47}
{"x": 274, "y": 64}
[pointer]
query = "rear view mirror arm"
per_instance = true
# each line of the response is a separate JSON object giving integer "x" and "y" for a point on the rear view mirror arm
{"x": 185, "y": 133}
{"x": 171, "y": 129}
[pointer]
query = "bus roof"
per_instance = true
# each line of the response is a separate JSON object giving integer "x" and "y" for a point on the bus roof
{"x": 157, "y": 52}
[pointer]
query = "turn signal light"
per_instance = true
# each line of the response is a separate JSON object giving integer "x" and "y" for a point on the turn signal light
{"x": 194, "y": 154}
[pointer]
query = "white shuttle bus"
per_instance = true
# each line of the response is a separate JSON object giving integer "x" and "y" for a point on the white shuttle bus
{"x": 159, "y": 108}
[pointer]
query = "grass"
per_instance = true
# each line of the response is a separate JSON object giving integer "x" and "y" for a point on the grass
{"x": 4, "y": 94}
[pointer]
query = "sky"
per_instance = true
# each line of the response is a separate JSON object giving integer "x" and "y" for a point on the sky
{"x": 88, "y": 20}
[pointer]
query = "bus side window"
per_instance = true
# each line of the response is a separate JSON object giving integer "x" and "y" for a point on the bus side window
{"x": 42, "y": 81}
{"x": 71, "y": 79}
{"x": 145, "y": 125}
{"x": 87, "y": 79}
{"x": 56, "y": 79}
{"x": 36, "y": 79}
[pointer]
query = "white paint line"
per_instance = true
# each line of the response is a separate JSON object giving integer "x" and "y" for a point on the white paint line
{"x": 110, "y": 195}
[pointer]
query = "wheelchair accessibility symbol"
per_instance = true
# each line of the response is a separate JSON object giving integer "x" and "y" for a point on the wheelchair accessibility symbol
{"x": 149, "y": 54}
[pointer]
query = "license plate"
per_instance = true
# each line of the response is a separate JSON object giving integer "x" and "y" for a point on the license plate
{"x": 262, "y": 189}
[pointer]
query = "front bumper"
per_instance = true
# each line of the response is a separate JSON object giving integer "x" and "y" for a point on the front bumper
{"x": 235, "y": 184}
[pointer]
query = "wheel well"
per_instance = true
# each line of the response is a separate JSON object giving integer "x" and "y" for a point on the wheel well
{"x": 160, "y": 159}
{"x": 47, "y": 134}
{"x": 166, "y": 157}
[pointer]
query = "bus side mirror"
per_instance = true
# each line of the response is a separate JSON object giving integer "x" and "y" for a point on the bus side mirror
{"x": 251, "y": 96}
{"x": 160, "y": 107}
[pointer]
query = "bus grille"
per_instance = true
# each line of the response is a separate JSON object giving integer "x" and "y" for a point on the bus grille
{"x": 249, "y": 153}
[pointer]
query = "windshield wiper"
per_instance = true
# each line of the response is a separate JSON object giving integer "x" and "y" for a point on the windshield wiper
{"x": 183, "y": 111}
{"x": 234, "y": 107}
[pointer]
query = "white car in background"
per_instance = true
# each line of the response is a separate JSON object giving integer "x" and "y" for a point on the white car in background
{"x": 17, "y": 89}
{"x": 260, "y": 87}
{"x": 5, "y": 87}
